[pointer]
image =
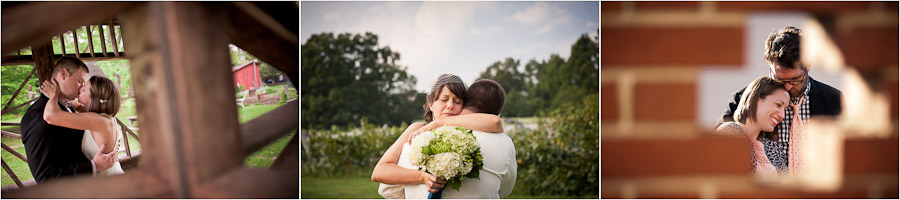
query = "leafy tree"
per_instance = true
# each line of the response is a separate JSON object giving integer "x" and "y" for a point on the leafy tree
{"x": 348, "y": 78}
{"x": 516, "y": 85}
{"x": 545, "y": 85}
{"x": 11, "y": 79}
{"x": 118, "y": 71}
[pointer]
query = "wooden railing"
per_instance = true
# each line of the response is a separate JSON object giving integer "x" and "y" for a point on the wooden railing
{"x": 127, "y": 161}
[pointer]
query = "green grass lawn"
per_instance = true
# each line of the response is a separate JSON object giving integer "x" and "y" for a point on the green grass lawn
{"x": 358, "y": 185}
{"x": 260, "y": 159}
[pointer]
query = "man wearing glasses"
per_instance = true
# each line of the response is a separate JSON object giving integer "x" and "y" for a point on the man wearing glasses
{"x": 808, "y": 98}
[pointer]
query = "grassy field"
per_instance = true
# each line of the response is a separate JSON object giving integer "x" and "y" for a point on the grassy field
{"x": 358, "y": 185}
{"x": 260, "y": 159}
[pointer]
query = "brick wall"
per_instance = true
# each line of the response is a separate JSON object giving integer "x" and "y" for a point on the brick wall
{"x": 654, "y": 56}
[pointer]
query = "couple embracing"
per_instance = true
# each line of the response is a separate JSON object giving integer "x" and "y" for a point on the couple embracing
{"x": 70, "y": 130}
{"x": 772, "y": 111}
{"x": 450, "y": 103}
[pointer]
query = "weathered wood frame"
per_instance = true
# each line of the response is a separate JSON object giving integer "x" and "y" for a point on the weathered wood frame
{"x": 192, "y": 142}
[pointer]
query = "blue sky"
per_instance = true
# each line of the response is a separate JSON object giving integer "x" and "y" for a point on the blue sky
{"x": 461, "y": 38}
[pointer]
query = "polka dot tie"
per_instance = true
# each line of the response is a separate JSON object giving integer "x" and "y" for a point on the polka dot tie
{"x": 795, "y": 155}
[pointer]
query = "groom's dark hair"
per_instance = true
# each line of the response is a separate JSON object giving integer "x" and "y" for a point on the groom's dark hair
{"x": 71, "y": 64}
{"x": 485, "y": 96}
{"x": 783, "y": 47}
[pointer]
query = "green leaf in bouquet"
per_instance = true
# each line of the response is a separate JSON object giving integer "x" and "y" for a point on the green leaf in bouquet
{"x": 439, "y": 147}
{"x": 473, "y": 174}
{"x": 454, "y": 183}
{"x": 426, "y": 150}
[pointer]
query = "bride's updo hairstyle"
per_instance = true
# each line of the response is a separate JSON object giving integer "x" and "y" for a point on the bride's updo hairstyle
{"x": 453, "y": 82}
{"x": 104, "y": 96}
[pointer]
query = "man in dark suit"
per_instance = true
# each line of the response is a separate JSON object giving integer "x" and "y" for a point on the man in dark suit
{"x": 55, "y": 151}
{"x": 782, "y": 52}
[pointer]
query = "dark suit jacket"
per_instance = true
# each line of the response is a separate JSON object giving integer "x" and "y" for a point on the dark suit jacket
{"x": 824, "y": 100}
{"x": 52, "y": 151}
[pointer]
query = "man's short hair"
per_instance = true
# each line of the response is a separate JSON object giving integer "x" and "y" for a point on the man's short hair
{"x": 71, "y": 64}
{"x": 783, "y": 47}
{"x": 485, "y": 96}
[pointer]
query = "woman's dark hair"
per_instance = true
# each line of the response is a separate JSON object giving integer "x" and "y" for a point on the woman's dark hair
{"x": 760, "y": 88}
{"x": 783, "y": 47}
{"x": 452, "y": 82}
{"x": 104, "y": 96}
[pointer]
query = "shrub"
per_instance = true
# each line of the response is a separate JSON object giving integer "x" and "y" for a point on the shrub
{"x": 561, "y": 157}
{"x": 239, "y": 88}
{"x": 284, "y": 97}
{"x": 336, "y": 151}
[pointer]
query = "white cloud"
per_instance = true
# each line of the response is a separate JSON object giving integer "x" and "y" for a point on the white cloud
{"x": 331, "y": 16}
{"x": 485, "y": 31}
{"x": 590, "y": 24}
{"x": 546, "y": 15}
{"x": 535, "y": 14}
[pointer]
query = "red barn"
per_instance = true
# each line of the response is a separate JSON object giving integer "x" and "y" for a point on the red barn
{"x": 247, "y": 75}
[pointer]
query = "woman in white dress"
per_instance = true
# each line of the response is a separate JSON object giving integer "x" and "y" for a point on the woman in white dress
{"x": 97, "y": 103}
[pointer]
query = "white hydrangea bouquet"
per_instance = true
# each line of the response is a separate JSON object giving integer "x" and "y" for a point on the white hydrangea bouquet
{"x": 448, "y": 152}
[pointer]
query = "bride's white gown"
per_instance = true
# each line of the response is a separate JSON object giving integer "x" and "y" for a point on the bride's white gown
{"x": 89, "y": 148}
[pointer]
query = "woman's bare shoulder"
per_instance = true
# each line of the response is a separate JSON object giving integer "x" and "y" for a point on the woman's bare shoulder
{"x": 730, "y": 128}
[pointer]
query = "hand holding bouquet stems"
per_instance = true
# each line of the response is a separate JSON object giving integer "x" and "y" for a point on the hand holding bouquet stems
{"x": 448, "y": 152}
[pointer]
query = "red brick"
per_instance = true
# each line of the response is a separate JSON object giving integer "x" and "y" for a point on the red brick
{"x": 609, "y": 102}
{"x": 869, "y": 156}
{"x": 866, "y": 48}
{"x": 664, "y": 101}
{"x": 650, "y": 46}
{"x": 814, "y": 7}
{"x": 661, "y": 157}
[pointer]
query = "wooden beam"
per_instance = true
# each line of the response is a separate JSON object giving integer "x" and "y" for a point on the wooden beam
{"x": 11, "y": 134}
{"x": 11, "y": 173}
{"x": 10, "y": 124}
{"x": 23, "y": 104}
{"x": 14, "y": 152}
{"x": 90, "y": 39}
{"x": 125, "y": 129}
{"x": 37, "y": 22}
{"x": 75, "y": 40}
{"x": 125, "y": 138}
{"x": 139, "y": 183}
{"x": 62, "y": 43}
{"x": 132, "y": 161}
{"x": 243, "y": 183}
{"x": 29, "y": 59}
{"x": 112, "y": 36}
{"x": 251, "y": 35}
{"x": 43, "y": 60}
{"x": 27, "y": 183}
{"x": 268, "y": 22}
{"x": 102, "y": 39}
{"x": 183, "y": 92}
{"x": 288, "y": 158}
{"x": 265, "y": 129}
